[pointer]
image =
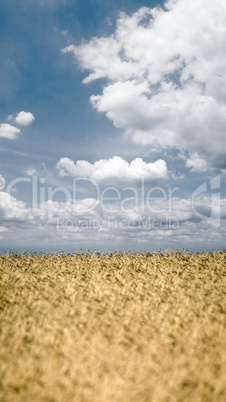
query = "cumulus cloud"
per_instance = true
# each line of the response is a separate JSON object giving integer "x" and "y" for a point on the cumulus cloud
{"x": 2, "y": 183}
{"x": 24, "y": 118}
{"x": 12, "y": 209}
{"x": 3, "y": 229}
{"x": 31, "y": 171}
{"x": 165, "y": 76}
{"x": 115, "y": 170}
{"x": 91, "y": 222}
{"x": 196, "y": 163}
{"x": 8, "y": 131}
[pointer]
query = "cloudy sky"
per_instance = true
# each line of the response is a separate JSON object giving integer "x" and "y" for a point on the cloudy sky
{"x": 112, "y": 125}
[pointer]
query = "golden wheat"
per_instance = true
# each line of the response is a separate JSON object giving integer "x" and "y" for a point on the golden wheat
{"x": 113, "y": 327}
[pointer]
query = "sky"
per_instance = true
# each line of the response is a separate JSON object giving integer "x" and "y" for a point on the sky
{"x": 112, "y": 125}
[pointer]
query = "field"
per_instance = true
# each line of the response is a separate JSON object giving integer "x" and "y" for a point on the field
{"x": 118, "y": 327}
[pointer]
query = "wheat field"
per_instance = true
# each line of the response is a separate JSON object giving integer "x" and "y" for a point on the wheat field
{"x": 116, "y": 327}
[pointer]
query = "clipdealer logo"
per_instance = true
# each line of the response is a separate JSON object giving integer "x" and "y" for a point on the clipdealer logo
{"x": 211, "y": 191}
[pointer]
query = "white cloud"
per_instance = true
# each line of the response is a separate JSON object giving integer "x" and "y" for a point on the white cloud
{"x": 196, "y": 163}
{"x": 165, "y": 71}
{"x": 115, "y": 171}
{"x": 2, "y": 183}
{"x": 31, "y": 171}
{"x": 92, "y": 223}
{"x": 3, "y": 229}
{"x": 12, "y": 209}
{"x": 8, "y": 131}
{"x": 24, "y": 118}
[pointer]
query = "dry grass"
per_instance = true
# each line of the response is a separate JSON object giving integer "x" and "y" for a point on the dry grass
{"x": 113, "y": 327}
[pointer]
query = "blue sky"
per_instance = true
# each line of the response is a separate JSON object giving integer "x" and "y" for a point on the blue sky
{"x": 112, "y": 125}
